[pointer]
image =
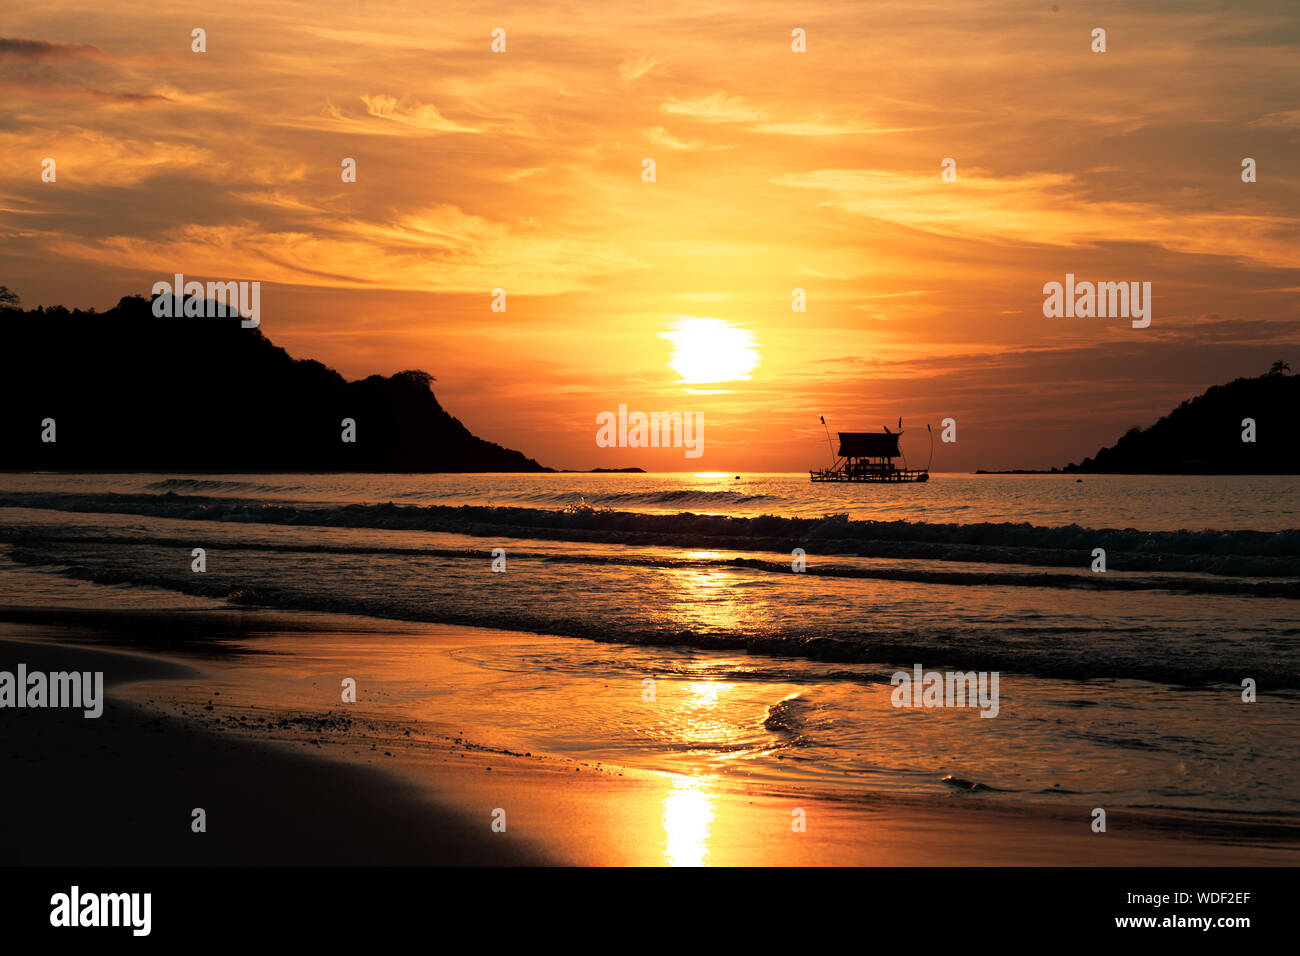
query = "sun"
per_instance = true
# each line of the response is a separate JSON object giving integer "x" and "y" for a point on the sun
{"x": 709, "y": 351}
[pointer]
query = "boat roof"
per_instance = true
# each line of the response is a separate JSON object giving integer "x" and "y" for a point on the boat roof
{"x": 868, "y": 445}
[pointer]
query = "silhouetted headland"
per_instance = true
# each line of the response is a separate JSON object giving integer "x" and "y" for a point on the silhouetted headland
{"x": 1208, "y": 434}
{"x": 128, "y": 391}
{"x": 1242, "y": 428}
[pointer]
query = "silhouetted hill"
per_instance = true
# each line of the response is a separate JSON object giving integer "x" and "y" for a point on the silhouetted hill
{"x": 129, "y": 391}
{"x": 1203, "y": 435}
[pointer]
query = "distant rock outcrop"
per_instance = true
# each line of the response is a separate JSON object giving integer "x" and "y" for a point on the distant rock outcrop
{"x": 128, "y": 391}
{"x": 1204, "y": 435}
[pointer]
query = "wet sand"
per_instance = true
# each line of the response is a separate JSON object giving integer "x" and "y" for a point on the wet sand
{"x": 120, "y": 789}
{"x": 247, "y": 723}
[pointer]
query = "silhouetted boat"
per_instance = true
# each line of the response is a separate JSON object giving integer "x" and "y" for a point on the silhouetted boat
{"x": 869, "y": 456}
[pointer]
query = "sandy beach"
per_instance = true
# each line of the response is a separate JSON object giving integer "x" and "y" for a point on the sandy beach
{"x": 243, "y": 717}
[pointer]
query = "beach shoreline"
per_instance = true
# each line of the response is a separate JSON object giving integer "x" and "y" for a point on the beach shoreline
{"x": 252, "y": 729}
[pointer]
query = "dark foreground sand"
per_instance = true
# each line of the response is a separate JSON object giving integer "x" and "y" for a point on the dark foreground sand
{"x": 286, "y": 783}
{"x": 120, "y": 789}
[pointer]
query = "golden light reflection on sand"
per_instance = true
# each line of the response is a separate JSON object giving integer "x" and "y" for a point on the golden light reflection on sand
{"x": 688, "y": 805}
{"x": 688, "y": 813}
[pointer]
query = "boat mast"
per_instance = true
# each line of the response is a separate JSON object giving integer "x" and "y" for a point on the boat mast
{"x": 828, "y": 441}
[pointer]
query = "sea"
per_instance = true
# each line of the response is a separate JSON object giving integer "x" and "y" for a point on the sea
{"x": 1143, "y": 628}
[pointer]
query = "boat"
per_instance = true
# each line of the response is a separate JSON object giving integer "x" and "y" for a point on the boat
{"x": 869, "y": 456}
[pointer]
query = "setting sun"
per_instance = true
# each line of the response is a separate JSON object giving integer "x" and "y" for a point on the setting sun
{"x": 708, "y": 351}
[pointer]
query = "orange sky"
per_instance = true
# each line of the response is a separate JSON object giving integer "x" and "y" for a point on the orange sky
{"x": 775, "y": 170}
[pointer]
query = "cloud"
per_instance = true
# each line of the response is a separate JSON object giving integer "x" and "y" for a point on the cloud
{"x": 515, "y": 175}
{"x": 724, "y": 108}
{"x": 657, "y": 134}
{"x": 1046, "y": 208}
{"x": 715, "y": 108}
{"x": 1286, "y": 119}
{"x": 826, "y": 128}
{"x": 631, "y": 70}
{"x": 27, "y": 65}
{"x": 91, "y": 159}
{"x": 398, "y": 117}
{"x": 46, "y": 50}
{"x": 53, "y": 87}
{"x": 439, "y": 250}
{"x": 421, "y": 116}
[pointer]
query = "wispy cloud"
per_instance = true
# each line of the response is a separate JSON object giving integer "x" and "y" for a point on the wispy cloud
{"x": 715, "y": 108}
{"x": 49, "y": 69}
{"x": 1046, "y": 208}
{"x": 438, "y": 250}
{"x": 630, "y": 71}
{"x": 15, "y": 48}
{"x": 396, "y": 117}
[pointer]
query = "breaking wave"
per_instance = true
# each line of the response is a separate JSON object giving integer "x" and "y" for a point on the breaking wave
{"x": 787, "y": 715}
{"x": 1231, "y": 553}
{"x": 684, "y": 497}
{"x": 178, "y": 485}
{"x": 1060, "y": 652}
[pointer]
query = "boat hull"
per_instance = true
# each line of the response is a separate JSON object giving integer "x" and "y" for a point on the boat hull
{"x": 889, "y": 477}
